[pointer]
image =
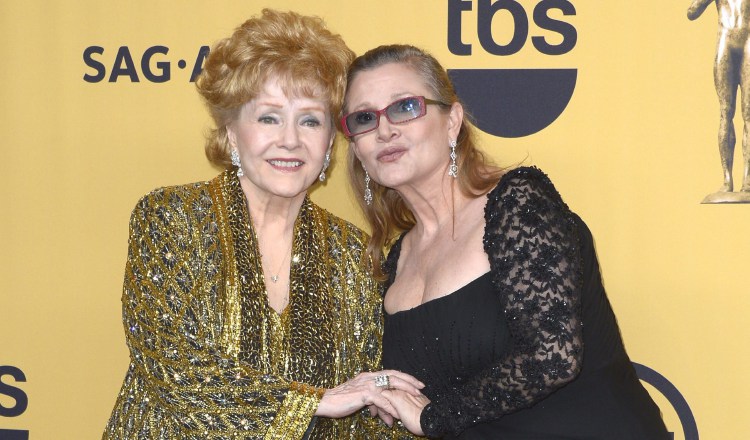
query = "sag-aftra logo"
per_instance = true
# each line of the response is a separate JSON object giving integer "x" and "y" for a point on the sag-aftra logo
{"x": 502, "y": 102}
{"x": 154, "y": 65}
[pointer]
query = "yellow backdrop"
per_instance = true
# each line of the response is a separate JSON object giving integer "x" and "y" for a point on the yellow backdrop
{"x": 634, "y": 153}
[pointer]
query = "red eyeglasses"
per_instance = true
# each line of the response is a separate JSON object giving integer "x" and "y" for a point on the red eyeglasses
{"x": 397, "y": 112}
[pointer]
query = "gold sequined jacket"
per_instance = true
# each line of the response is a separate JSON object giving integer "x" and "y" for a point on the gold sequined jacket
{"x": 209, "y": 358}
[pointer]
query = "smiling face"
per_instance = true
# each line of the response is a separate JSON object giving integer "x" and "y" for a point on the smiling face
{"x": 282, "y": 142}
{"x": 409, "y": 154}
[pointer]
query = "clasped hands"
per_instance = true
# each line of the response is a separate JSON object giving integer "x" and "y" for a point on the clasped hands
{"x": 388, "y": 394}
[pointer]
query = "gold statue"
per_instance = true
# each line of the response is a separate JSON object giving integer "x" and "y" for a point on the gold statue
{"x": 731, "y": 70}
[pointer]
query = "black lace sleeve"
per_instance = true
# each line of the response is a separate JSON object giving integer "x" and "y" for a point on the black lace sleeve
{"x": 532, "y": 244}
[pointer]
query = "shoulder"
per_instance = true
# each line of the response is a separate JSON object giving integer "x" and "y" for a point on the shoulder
{"x": 525, "y": 200}
{"x": 342, "y": 231}
{"x": 346, "y": 246}
{"x": 167, "y": 202}
{"x": 524, "y": 185}
{"x": 525, "y": 216}
{"x": 525, "y": 180}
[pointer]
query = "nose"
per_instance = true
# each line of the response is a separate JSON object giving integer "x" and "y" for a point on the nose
{"x": 290, "y": 137}
{"x": 385, "y": 130}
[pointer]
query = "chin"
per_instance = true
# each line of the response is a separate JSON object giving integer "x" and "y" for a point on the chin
{"x": 290, "y": 194}
{"x": 393, "y": 182}
{"x": 289, "y": 187}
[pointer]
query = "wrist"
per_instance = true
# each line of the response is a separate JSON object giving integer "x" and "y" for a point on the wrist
{"x": 307, "y": 390}
{"x": 431, "y": 422}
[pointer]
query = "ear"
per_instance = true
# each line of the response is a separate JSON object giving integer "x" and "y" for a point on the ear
{"x": 231, "y": 135}
{"x": 455, "y": 119}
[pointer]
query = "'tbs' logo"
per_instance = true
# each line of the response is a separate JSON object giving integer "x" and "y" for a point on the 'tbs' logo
{"x": 21, "y": 399}
{"x": 513, "y": 102}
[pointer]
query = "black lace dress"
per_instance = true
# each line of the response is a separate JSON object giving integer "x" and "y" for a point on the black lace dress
{"x": 531, "y": 349}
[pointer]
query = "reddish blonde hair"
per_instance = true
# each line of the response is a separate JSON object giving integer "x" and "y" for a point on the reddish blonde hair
{"x": 388, "y": 215}
{"x": 299, "y": 51}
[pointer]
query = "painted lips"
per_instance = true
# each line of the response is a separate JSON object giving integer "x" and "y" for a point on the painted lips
{"x": 391, "y": 154}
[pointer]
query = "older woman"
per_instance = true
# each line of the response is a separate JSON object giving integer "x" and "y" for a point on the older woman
{"x": 247, "y": 310}
{"x": 494, "y": 298}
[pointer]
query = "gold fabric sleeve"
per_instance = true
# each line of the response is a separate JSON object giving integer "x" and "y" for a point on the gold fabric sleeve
{"x": 209, "y": 358}
{"x": 295, "y": 413}
{"x": 183, "y": 385}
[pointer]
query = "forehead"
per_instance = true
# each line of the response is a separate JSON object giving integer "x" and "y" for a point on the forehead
{"x": 293, "y": 88}
{"x": 382, "y": 84}
{"x": 279, "y": 92}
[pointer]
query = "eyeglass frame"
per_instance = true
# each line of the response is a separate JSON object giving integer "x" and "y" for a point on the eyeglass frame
{"x": 382, "y": 112}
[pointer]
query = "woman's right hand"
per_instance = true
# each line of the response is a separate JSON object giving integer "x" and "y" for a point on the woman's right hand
{"x": 408, "y": 408}
{"x": 362, "y": 391}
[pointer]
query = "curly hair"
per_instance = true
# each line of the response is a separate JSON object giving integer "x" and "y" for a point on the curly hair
{"x": 389, "y": 215}
{"x": 299, "y": 51}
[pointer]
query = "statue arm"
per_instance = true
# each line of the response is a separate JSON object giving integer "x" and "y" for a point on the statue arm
{"x": 697, "y": 7}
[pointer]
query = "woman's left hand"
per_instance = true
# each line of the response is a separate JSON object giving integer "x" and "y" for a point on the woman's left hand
{"x": 363, "y": 390}
{"x": 408, "y": 408}
{"x": 386, "y": 417}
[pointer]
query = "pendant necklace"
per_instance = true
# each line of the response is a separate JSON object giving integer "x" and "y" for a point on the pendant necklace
{"x": 275, "y": 278}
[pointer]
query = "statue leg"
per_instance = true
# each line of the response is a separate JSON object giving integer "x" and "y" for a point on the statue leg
{"x": 745, "y": 90}
{"x": 726, "y": 80}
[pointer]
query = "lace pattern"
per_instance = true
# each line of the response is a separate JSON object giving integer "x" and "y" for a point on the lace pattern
{"x": 532, "y": 245}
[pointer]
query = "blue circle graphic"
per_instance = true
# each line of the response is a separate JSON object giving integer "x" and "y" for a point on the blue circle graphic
{"x": 513, "y": 103}
{"x": 674, "y": 397}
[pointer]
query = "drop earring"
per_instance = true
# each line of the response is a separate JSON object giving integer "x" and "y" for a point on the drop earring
{"x": 453, "y": 170}
{"x": 236, "y": 162}
{"x": 368, "y": 191}
{"x": 326, "y": 163}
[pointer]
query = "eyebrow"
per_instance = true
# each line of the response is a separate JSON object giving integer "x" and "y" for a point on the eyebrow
{"x": 394, "y": 97}
{"x": 268, "y": 104}
{"x": 321, "y": 108}
{"x": 317, "y": 107}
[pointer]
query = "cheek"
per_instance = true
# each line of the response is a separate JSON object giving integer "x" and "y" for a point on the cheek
{"x": 248, "y": 145}
{"x": 354, "y": 147}
{"x": 362, "y": 149}
{"x": 318, "y": 145}
{"x": 359, "y": 154}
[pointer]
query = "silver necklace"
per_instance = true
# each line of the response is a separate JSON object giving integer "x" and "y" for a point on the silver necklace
{"x": 275, "y": 278}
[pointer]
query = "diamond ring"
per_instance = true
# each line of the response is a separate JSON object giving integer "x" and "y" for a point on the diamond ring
{"x": 383, "y": 381}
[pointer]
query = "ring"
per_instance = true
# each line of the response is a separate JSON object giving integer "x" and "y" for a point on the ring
{"x": 383, "y": 381}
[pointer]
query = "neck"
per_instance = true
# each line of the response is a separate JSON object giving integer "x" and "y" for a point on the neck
{"x": 433, "y": 204}
{"x": 273, "y": 221}
{"x": 272, "y": 216}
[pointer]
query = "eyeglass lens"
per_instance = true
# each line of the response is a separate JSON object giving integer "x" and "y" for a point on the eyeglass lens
{"x": 403, "y": 110}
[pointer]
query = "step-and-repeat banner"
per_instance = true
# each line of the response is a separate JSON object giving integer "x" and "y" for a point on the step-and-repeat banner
{"x": 630, "y": 108}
